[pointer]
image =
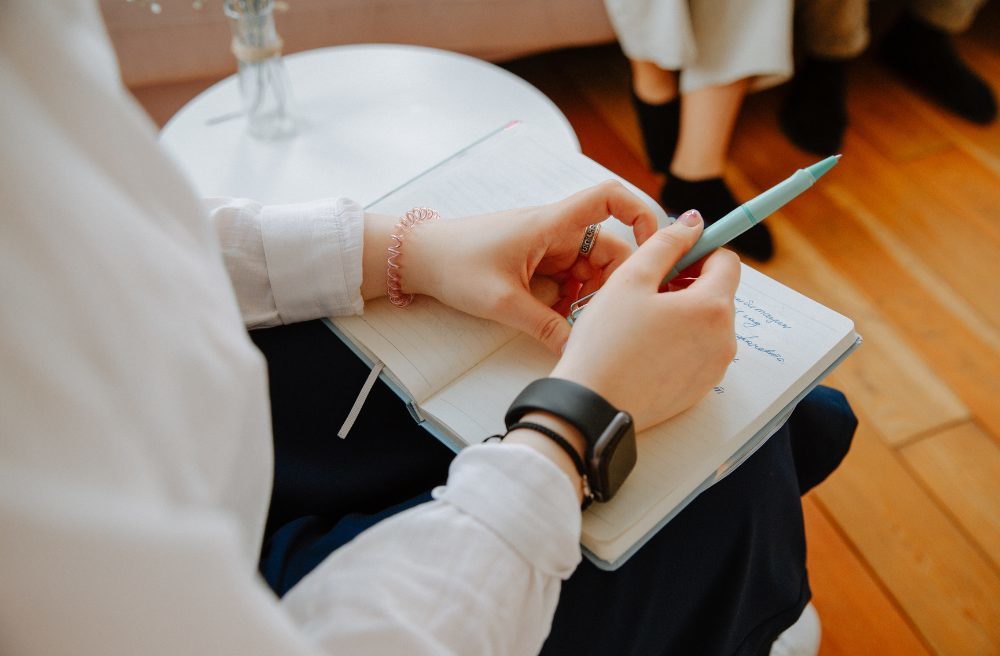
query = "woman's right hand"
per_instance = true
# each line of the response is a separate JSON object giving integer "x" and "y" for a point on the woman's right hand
{"x": 651, "y": 353}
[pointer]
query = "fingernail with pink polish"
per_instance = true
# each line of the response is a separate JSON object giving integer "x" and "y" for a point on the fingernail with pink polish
{"x": 690, "y": 218}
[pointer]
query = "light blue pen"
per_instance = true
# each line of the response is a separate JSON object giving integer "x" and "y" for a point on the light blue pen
{"x": 738, "y": 221}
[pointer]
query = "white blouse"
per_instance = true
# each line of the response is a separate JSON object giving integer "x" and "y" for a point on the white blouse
{"x": 135, "y": 445}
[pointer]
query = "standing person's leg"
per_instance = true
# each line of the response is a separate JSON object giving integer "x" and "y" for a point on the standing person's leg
{"x": 739, "y": 46}
{"x": 718, "y": 46}
{"x": 919, "y": 49}
{"x": 695, "y": 181}
{"x": 831, "y": 34}
{"x": 832, "y": 29}
{"x": 656, "y": 37}
{"x": 657, "y": 106}
{"x": 952, "y": 16}
{"x": 725, "y": 576}
{"x": 708, "y": 116}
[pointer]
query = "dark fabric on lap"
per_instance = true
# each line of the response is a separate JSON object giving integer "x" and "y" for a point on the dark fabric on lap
{"x": 385, "y": 460}
{"x": 723, "y": 577}
{"x": 821, "y": 428}
{"x": 726, "y": 576}
{"x": 295, "y": 549}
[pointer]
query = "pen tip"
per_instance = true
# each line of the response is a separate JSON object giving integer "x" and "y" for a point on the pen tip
{"x": 838, "y": 156}
{"x": 819, "y": 168}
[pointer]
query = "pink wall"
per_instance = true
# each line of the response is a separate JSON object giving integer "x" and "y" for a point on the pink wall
{"x": 182, "y": 43}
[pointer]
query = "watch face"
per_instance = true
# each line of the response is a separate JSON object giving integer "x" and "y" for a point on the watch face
{"x": 613, "y": 457}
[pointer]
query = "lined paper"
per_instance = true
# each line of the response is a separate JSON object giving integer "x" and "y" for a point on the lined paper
{"x": 513, "y": 168}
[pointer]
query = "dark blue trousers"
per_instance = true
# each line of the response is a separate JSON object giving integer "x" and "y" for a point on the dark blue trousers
{"x": 726, "y": 576}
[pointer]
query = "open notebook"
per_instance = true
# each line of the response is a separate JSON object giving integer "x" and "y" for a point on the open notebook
{"x": 459, "y": 373}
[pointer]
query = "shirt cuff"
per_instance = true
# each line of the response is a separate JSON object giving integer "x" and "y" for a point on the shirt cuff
{"x": 523, "y": 498}
{"x": 313, "y": 253}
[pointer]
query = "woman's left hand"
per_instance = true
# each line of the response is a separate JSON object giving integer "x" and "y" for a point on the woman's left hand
{"x": 487, "y": 265}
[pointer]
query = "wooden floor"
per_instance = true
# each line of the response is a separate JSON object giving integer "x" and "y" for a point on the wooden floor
{"x": 904, "y": 237}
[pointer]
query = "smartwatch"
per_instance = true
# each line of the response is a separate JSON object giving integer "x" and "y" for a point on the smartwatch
{"x": 609, "y": 433}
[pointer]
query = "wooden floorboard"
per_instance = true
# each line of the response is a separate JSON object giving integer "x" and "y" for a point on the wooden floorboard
{"x": 959, "y": 467}
{"x": 857, "y": 616}
{"x": 865, "y": 246}
{"x": 943, "y": 583}
{"x": 887, "y": 378}
{"x": 904, "y": 237}
{"x": 958, "y": 181}
{"x": 881, "y": 115}
{"x": 933, "y": 230}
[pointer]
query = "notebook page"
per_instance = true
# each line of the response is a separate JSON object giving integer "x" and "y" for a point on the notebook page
{"x": 784, "y": 341}
{"x": 427, "y": 350}
{"x": 512, "y": 168}
{"x": 429, "y": 344}
{"x": 474, "y": 405}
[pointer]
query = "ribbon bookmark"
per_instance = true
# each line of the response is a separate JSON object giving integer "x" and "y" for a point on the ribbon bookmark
{"x": 360, "y": 401}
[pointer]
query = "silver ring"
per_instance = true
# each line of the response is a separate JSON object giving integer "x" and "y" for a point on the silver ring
{"x": 589, "y": 237}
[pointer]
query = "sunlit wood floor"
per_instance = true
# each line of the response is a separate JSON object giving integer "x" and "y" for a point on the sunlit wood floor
{"x": 904, "y": 237}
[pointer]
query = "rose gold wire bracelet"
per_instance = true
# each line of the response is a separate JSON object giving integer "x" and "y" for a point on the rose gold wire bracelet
{"x": 393, "y": 285}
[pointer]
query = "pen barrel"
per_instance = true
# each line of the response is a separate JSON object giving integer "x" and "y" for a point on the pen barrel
{"x": 743, "y": 218}
{"x": 774, "y": 198}
{"x": 721, "y": 232}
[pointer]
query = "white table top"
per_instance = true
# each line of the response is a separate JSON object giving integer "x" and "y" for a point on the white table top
{"x": 369, "y": 118}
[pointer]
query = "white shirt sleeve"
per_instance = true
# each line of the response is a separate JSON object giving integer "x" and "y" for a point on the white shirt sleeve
{"x": 477, "y": 571}
{"x": 290, "y": 263}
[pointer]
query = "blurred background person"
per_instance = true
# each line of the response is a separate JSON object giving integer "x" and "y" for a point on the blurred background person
{"x": 692, "y": 63}
{"x": 918, "y": 48}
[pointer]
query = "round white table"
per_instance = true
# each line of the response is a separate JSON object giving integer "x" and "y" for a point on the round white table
{"x": 369, "y": 118}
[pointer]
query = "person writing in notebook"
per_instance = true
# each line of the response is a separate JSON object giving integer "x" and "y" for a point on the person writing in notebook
{"x": 147, "y": 473}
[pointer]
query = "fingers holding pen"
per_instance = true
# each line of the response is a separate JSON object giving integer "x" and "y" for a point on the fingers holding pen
{"x": 678, "y": 344}
{"x": 655, "y": 258}
{"x": 577, "y": 212}
{"x": 612, "y": 198}
{"x": 630, "y": 210}
{"x": 718, "y": 274}
{"x": 593, "y": 270}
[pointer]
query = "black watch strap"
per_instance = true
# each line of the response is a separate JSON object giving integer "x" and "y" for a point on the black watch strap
{"x": 562, "y": 443}
{"x": 585, "y": 409}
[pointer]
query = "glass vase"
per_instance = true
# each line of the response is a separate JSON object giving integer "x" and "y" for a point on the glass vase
{"x": 263, "y": 80}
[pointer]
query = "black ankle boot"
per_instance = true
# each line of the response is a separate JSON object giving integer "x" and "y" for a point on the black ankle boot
{"x": 660, "y": 125}
{"x": 713, "y": 199}
{"x": 925, "y": 58}
{"x": 814, "y": 115}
